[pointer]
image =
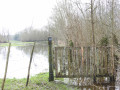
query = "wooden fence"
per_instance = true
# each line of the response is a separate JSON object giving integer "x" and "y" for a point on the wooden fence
{"x": 76, "y": 62}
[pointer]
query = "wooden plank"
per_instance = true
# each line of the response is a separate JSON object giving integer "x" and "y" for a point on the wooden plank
{"x": 56, "y": 62}
{"x": 81, "y": 76}
{"x": 64, "y": 65}
{"x": 106, "y": 60}
{"x": 84, "y": 57}
{"x": 79, "y": 65}
{"x": 99, "y": 54}
{"x": 61, "y": 64}
{"x": 109, "y": 60}
{"x": 101, "y": 60}
{"x": 82, "y": 64}
{"x": 88, "y": 58}
{"x": 69, "y": 62}
{"x": 91, "y": 62}
{"x": 112, "y": 52}
{"x": 67, "y": 67}
{"x": 77, "y": 62}
{"x": 97, "y": 60}
{"x": 72, "y": 61}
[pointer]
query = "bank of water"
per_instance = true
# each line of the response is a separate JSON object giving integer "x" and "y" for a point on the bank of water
{"x": 19, "y": 60}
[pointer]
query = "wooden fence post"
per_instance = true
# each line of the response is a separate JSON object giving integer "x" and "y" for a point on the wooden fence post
{"x": 51, "y": 75}
{"x": 6, "y": 67}
{"x": 30, "y": 65}
{"x": 112, "y": 78}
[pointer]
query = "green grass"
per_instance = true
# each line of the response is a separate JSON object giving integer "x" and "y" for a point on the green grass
{"x": 38, "y": 82}
{"x": 15, "y": 43}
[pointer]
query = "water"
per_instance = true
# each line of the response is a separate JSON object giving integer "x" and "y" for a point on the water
{"x": 19, "y": 61}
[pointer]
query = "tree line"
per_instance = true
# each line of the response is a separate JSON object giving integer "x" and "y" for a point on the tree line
{"x": 30, "y": 35}
{"x": 4, "y": 37}
{"x": 94, "y": 23}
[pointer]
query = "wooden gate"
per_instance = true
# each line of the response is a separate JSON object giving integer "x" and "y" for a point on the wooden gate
{"x": 76, "y": 62}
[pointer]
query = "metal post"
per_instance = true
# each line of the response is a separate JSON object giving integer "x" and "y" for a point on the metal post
{"x": 51, "y": 75}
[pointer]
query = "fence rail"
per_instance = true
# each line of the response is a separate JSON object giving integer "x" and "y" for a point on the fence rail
{"x": 76, "y": 62}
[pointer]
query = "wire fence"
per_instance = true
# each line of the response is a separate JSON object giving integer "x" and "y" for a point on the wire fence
{"x": 19, "y": 59}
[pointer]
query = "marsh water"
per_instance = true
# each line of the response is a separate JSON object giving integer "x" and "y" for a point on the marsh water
{"x": 19, "y": 60}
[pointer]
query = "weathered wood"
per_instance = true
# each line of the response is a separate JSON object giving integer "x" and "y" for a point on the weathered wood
{"x": 112, "y": 59}
{"x": 102, "y": 53}
{"x": 88, "y": 58}
{"x": 99, "y": 60}
{"x": 56, "y": 63}
{"x": 6, "y": 67}
{"x": 76, "y": 76}
{"x": 64, "y": 63}
{"x": 30, "y": 65}
{"x": 79, "y": 65}
{"x": 106, "y": 65}
{"x": 68, "y": 62}
{"x": 79, "y": 62}
{"x": 82, "y": 64}
{"x": 61, "y": 64}
{"x": 73, "y": 62}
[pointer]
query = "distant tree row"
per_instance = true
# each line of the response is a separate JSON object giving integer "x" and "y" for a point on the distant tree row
{"x": 4, "y": 37}
{"x": 30, "y": 35}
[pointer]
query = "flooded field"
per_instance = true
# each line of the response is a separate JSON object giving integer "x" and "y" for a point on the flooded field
{"x": 19, "y": 60}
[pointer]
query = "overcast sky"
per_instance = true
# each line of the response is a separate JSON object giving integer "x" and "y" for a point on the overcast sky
{"x": 16, "y": 15}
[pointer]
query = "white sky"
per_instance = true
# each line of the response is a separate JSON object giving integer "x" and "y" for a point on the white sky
{"x": 16, "y": 15}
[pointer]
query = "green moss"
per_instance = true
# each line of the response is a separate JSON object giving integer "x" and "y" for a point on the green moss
{"x": 115, "y": 40}
{"x": 71, "y": 43}
{"x": 104, "y": 41}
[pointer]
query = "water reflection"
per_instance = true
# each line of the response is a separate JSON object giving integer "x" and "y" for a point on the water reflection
{"x": 39, "y": 48}
{"x": 87, "y": 84}
{"x": 19, "y": 60}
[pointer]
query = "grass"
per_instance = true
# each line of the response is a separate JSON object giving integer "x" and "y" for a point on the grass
{"x": 38, "y": 82}
{"x": 15, "y": 43}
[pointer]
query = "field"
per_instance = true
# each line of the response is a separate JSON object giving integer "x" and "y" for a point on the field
{"x": 15, "y": 43}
